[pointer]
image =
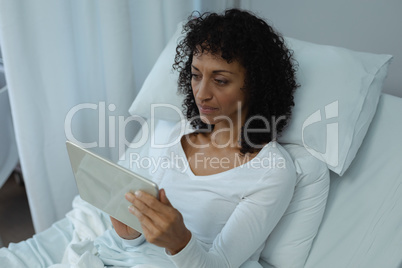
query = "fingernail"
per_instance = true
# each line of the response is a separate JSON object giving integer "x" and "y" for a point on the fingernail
{"x": 137, "y": 193}
{"x": 131, "y": 208}
{"x": 128, "y": 196}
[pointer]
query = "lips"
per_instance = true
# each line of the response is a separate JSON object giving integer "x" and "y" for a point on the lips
{"x": 206, "y": 109}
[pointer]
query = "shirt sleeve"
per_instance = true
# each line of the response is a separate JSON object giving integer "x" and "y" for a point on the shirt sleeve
{"x": 132, "y": 242}
{"x": 248, "y": 227}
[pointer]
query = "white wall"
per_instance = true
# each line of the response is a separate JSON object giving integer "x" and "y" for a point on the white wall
{"x": 365, "y": 25}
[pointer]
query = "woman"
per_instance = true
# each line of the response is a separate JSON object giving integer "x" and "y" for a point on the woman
{"x": 238, "y": 80}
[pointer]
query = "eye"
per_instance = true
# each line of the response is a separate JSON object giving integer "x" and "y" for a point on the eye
{"x": 221, "y": 82}
{"x": 195, "y": 76}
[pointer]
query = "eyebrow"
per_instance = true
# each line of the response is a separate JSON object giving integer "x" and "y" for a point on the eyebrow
{"x": 215, "y": 71}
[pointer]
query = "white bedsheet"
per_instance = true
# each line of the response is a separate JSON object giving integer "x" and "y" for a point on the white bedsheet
{"x": 89, "y": 242}
{"x": 362, "y": 224}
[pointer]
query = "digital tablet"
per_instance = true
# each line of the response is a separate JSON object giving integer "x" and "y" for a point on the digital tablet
{"x": 104, "y": 184}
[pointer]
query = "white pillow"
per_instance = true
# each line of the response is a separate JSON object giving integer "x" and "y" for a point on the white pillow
{"x": 336, "y": 102}
{"x": 290, "y": 242}
{"x": 339, "y": 85}
{"x": 160, "y": 86}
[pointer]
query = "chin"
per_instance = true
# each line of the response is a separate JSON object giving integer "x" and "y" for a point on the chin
{"x": 207, "y": 120}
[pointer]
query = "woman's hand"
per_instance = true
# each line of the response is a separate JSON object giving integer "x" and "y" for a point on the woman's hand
{"x": 162, "y": 224}
{"x": 123, "y": 230}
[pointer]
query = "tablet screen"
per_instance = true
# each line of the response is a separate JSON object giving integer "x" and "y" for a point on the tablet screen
{"x": 104, "y": 184}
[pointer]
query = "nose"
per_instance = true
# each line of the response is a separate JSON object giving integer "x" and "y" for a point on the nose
{"x": 202, "y": 91}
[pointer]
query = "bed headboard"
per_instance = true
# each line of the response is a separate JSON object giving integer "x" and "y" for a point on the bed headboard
{"x": 363, "y": 25}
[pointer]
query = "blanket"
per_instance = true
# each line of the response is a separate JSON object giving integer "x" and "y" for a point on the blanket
{"x": 84, "y": 239}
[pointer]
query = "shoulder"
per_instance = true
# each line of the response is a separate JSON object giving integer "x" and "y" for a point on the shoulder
{"x": 277, "y": 163}
{"x": 274, "y": 151}
{"x": 276, "y": 179}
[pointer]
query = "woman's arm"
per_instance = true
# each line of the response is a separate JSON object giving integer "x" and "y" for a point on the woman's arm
{"x": 123, "y": 230}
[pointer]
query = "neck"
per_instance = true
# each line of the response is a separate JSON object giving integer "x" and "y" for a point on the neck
{"x": 225, "y": 137}
{"x": 226, "y": 133}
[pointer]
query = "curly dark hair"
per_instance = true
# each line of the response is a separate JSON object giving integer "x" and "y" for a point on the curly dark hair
{"x": 270, "y": 82}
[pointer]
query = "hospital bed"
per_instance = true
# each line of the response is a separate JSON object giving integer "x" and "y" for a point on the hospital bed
{"x": 345, "y": 214}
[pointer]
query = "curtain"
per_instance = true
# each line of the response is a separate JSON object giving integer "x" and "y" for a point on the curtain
{"x": 73, "y": 67}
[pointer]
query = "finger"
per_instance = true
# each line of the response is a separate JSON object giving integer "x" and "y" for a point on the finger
{"x": 144, "y": 209}
{"x": 140, "y": 200}
{"x": 156, "y": 212}
{"x": 137, "y": 212}
{"x": 129, "y": 197}
{"x": 163, "y": 198}
{"x": 150, "y": 201}
{"x": 147, "y": 223}
{"x": 150, "y": 229}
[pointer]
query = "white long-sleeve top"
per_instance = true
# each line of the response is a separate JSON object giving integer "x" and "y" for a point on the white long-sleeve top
{"x": 230, "y": 214}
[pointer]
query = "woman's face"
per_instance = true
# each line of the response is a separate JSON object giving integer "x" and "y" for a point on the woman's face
{"x": 217, "y": 88}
